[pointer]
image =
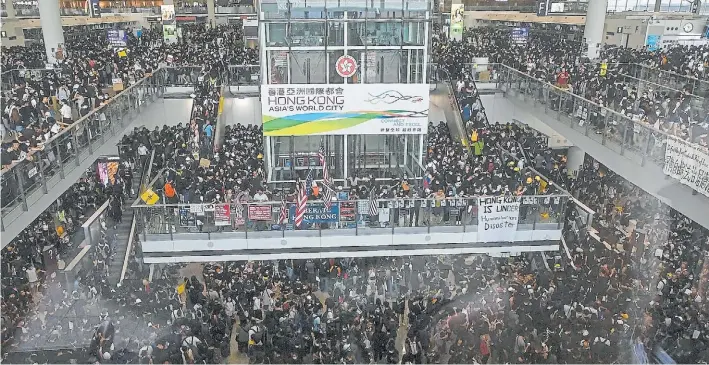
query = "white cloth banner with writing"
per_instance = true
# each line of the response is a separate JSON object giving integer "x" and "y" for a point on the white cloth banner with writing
{"x": 497, "y": 218}
{"x": 688, "y": 163}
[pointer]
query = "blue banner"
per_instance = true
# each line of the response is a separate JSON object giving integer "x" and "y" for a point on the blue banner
{"x": 117, "y": 38}
{"x": 316, "y": 213}
{"x": 520, "y": 35}
{"x": 653, "y": 42}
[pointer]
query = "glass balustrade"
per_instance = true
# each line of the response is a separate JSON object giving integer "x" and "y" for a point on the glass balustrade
{"x": 347, "y": 217}
{"x": 25, "y": 181}
{"x": 633, "y": 139}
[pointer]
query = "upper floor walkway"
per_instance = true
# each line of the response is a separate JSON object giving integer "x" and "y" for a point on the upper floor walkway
{"x": 635, "y": 150}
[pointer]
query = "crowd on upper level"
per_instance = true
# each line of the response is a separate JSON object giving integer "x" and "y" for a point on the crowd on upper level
{"x": 610, "y": 83}
{"x": 639, "y": 283}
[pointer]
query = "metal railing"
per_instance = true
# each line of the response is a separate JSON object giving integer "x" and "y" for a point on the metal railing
{"x": 261, "y": 219}
{"x": 25, "y": 181}
{"x": 191, "y": 10}
{"x": 236, "y": 9}
{"x": 244, "y": 75}
{"x": 698, "y": 87}
{"x": 610, "y": 128}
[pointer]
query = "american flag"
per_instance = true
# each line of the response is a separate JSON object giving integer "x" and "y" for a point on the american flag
{"x": 325, "y": 173}
{"x": 302, "y": 202}
{"x": 373, "y": 209}
{"x": 328, "y": 193}
{"x": 283, "y": 218}
{"x": 309, "y": 184}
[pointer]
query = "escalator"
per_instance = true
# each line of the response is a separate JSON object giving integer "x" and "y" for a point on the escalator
{"x": 121, "y": 231}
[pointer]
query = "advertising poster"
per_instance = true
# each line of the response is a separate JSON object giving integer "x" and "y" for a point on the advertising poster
{"x": 222, "y": 215}
{"x": 653, "y": 42}
{"x": 169, "y": 33}
{"x": 260, "y": 212}
{"x": 303, "y": 110}
{"x": 497, "y": 218}
{"x": 168, "y": 13}
{"x": 457, "y": 20}
{"x": 316, "y": 213}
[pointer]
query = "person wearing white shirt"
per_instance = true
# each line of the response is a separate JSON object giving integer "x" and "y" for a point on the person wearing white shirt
{"x": 65, "y": 111}
{"x": 260, "y": 196}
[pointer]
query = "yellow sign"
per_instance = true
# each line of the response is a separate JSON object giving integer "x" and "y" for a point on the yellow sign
{"x": 149, "y": 197}
{"x": 221, "y": 106}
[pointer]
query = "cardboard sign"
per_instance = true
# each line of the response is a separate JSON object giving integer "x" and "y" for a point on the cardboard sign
{"x": 117, "y": 84}
{"x": 149, "y": 197}
{"x": 497, "y": 218}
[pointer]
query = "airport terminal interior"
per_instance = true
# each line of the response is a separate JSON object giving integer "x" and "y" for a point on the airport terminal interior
{"x": 331, "y": 181}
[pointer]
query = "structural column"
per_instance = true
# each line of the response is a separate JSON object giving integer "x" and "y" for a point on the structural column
{"x": 211, "y": 17}
{"x": 574, "y": 160}
{"x": 593, "y": 32}
{"x": 51, "y": 20}
{"x": 10, "y": 9}
{"x": 658, "y": 3}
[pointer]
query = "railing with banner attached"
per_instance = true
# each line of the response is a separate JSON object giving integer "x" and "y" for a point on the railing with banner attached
{"x": 635, "y": 140}
{"x": 24, "y": 182}
{"x": 462, "y": 214}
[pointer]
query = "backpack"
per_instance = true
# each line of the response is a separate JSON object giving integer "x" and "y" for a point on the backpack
{"x": 169, "y": 190}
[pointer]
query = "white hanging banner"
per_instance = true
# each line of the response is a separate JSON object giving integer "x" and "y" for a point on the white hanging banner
{"x": 497, "y": 218}
{"x": 688, "y": 163}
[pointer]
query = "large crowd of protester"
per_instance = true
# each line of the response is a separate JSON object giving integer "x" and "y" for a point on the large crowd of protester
{"x": 631, "y": 279}
{"x": 609, "y": 83}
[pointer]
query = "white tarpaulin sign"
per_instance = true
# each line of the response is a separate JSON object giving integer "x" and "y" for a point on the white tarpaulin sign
{"x": 335, "y": 109}
{"x": 497, "y": 218}
{"x": 688, "y": 163}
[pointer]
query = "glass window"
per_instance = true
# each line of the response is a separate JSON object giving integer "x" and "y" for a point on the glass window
{"x": 335, "y": 78}
{"x": 307, "y": 34}
{"x": 359, "y": 56}
{"x": 384, "y": 67}
{"x": 383, "y": 34}
{"x": 336, "y": 33}
{"x": 277, "y": 34}
{"x": 414, "y": 34}
{"x": 310, "y": 9}
{"x": 308, "y": 67}
{"x": 278, "y": 67}
{"x": 356, "y": 34}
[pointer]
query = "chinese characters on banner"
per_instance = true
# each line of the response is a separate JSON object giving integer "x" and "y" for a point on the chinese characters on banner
{"x": 222, "y": 215}
{"x": 497, "y": 218}
{"x": 688, "y": 163}
{"x": 301, "y": 110}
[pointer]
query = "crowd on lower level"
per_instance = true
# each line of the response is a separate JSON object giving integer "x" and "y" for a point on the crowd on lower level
{"x": 637, "y": 283}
